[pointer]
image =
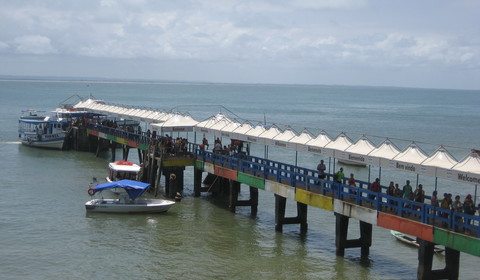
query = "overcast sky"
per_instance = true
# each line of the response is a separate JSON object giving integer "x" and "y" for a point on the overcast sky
{"x": 421, "y": 43}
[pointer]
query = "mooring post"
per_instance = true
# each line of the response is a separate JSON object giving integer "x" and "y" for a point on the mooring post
{"x": 126, "y": 150}
{"x": 140, "y": 157}
{"x": 233, "y": 197}
{"x": 197, "y": 182}
{"x": 113, "y": 145}
{"x": 254, "y": 200}
{"x": 280, "y": 203}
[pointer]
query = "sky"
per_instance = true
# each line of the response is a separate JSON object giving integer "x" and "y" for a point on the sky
{"x": 421, "y": 43}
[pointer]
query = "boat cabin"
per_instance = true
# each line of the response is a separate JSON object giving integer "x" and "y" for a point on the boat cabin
{"x": 120, "y": 170}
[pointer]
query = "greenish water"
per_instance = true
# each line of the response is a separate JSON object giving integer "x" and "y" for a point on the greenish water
{"x": 45, "y": 232}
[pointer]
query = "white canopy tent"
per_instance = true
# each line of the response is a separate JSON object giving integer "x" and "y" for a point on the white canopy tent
{"x": 206, "y": 126}
{"x": 240, "y": 132}
{"x": 317, "y": 145}
{"x": 440, "y": 164}
{"x": 268, "y": 135}
{"x": 253, "y": 133}
{"x": 358, "y": 152}
{"x": 177, "y": 123}
{"x": 382, "y": 155}
{"x": 300, "y": 141}
{"x": 409, "y": 160}
{"x": 227, "y": 131}
{"x": 338, "y": 146}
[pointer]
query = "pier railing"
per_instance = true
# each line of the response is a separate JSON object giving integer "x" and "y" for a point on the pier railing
{"x": 307, "y": 179}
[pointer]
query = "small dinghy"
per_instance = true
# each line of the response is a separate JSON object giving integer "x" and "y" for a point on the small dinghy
{"x": 412, "y": 240}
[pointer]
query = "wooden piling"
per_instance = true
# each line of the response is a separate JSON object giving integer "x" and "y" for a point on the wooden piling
{"x": 280, "y": 219}
{"x": 425, "y": 258}
{"x": 341, "y": 233}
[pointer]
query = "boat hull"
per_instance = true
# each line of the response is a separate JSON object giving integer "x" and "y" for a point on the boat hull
{"x": 138, "y": 206}
{"x": 52, "y": 144}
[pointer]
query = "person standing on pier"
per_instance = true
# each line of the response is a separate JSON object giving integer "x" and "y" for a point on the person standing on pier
{"x": 407, "y": 191}
{"x": 337, "y": 178}
{"x": 375, "y": 187}
{"x": 321, "y": 170}
{"x": 205, "y": 142}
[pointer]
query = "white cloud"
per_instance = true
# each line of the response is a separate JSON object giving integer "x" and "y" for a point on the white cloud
{"x": 310, "y": 34}
{"x": 33, "y": 44}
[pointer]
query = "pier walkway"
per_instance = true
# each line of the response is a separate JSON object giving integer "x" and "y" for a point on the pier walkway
{"x": 300, "y": 184}
{"x": 457, "y": 231}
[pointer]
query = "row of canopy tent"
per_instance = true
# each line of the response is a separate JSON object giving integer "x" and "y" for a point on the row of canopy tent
{"x": 440, "y": 164}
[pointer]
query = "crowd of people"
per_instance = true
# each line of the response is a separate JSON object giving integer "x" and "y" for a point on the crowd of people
{"x": 407, "y": 193}
{"x": 236, "y": 146}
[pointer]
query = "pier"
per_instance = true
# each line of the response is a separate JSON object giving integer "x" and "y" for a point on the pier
{"x": 226, "y": 172}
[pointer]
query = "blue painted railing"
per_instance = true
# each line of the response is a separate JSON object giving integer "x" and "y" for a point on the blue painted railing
{"x": 307, "y": 179}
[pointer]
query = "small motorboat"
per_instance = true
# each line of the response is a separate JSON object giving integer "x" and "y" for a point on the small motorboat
{"x": 405, "y": 238}
{"x": 129, "y": 202}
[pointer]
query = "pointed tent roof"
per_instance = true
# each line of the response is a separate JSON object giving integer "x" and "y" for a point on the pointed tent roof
{"x": 386, "y": 151}
{"x": 340, "y": 144}
{"x": 470, "y": 163}
{"x": 358, "y": 152}
{"x": 363, "y": 146}
{"x": 467, "y": 170}
{"x": 227, "y": 131}
{"x": 217, "y": 127}
{"x": 268, "y": 135}
{"x": 241, "y": 130}
{"x": 317, "y": 145}
{"x": 410, "y": 160}
{"x": 253, "y": 133}
{"x": 441, "y": 158}
{"x": 204, "y": 126}
{"x": 301, "y": 140}
{"x": 177, "y": 123}
{"x": 412, "y": 154}
{"x": 283, "y": 139}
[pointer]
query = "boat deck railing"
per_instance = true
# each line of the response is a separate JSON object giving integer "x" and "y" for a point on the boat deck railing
{"x": 307, "y": 179}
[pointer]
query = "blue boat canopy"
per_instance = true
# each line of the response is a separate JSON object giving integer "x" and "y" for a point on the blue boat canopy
{"x": 133, "y": 188}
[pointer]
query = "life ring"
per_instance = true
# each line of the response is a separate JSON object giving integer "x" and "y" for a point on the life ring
{"x": 91, "y": 191}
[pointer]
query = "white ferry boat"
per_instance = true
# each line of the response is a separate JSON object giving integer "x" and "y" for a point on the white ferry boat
{"x": 41, "y": 131}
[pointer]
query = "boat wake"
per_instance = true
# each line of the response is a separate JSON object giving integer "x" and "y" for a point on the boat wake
{"x": 12, "y": 142}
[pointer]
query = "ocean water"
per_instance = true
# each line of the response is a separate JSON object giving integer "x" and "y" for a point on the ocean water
{"x": 45, "y": 232}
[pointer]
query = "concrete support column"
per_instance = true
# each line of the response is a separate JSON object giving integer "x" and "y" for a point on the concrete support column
{"x": 254, "y": 200}
{"x": 280, "y": 204}
{"x": 280, "y": 219}
{"x": 113, "y": 147}
{"x": 341, "y": 232}
{"x": 197, "y": 182}
{"x": 233, "y": 197}
{"x": 425, "y": 258}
